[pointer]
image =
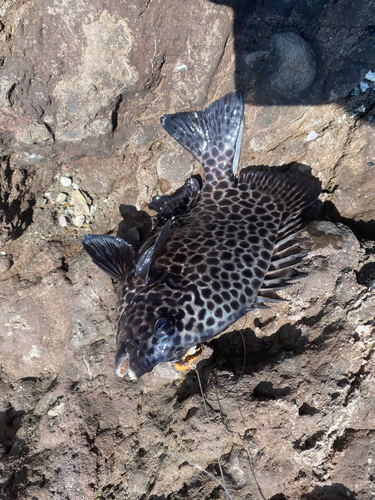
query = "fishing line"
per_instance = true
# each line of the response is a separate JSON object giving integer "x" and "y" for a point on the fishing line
{"x": 201, "y": 469}
{"x": 240, "y": 376}
{"x": 235, "y": 388}
{"x": 217, "y": 458}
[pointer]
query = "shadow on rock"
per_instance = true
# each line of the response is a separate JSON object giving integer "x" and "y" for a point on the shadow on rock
{"x": 242, "y": 353}
{"x": 300, "y": 52}
{"x": 16, "y": 201}
{"x": 135, "y": 228}
{"x": 364, "y": 230}
{"x": 11, "y": 489}
{"x": 10, "y": 422}
{"x": 336, "y": 491}
{"x": 366, "y": 275}
{"x": 265, "y": 391}
{"x": 230, "y": 349}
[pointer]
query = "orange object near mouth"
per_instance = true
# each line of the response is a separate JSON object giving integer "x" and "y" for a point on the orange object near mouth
{"x": 186, "y": 361}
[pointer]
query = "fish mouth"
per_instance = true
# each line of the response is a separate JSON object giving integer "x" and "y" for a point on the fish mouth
{"x": 131, "y": 361}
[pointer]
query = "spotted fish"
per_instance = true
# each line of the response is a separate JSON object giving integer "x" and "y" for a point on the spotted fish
{"x": 225, "y": 248}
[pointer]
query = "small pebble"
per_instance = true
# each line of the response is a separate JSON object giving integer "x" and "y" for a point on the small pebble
{"x": 65, "y": 181}
{"x": 62, "y": 221}
{"x": 5, "y": 263}
{"x": 361, "y": 109}
{"x": 80, "y": 205}
{"x": 364, "y": 86}
{"x": 61, "y": 198}
{"x": 79, "y": 220}
{"x": 311, "y": 136}
{"x": 355, "y": 92}
{"x": 370, "y": 76}
{"x": 92, "y": 87}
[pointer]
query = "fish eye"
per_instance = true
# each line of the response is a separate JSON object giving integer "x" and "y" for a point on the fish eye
{"x": 164, "y": 326}
{"x": 159, "y": 323}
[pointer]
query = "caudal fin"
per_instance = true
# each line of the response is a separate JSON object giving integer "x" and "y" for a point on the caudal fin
{"x": 212, "y": 135}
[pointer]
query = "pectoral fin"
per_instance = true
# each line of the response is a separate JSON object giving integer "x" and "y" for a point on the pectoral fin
{"x": 112, "y": 255}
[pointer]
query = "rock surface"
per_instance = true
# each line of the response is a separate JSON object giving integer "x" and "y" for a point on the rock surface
{"x": 290, "y": 391}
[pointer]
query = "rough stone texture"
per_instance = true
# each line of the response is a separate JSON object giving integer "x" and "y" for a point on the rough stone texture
{"x": 290, "y": 390}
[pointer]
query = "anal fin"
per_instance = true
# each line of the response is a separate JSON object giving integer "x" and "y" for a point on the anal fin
{"x": 287, "y": 256}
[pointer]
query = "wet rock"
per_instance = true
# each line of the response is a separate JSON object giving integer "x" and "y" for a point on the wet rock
{"x": 5, "y": 263}
{"x": 294, "y": 64}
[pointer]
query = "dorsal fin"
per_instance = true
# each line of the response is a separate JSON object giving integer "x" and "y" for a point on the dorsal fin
{"x": 290, "y": 193}
{"x": 212, "y": 135}
{"x": 177, "y": 203}
{"x": 111, "y": 254}
{"x": 148, "y": 259}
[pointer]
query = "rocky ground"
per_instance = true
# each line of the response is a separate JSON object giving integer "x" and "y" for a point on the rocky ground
{"x": 290, "y": 391}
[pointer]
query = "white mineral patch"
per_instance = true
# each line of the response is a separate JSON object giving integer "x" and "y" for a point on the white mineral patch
{"x": 3, "y": 253}
{"x": 65, "y": 181}
{"x": 61, "y": 198}
{"x": 361, "y": 109}
{"x": 80, "y": 205}
{"x": 79, "y": 220}
{"x": 311, "y": 136}
{"x": 364, "y": 86}
{"x": 179, "y": 68}
{"x": 48, "y": 195}
{"x": 62, "y": 221}
{"x": 370, "y": 76}
{"x": 56, "y": 409}
{"x": 363, "y": 329}
{"x": 33, "y": 353}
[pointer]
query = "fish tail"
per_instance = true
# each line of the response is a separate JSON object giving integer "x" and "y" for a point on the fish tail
{"x": 213, "y": 135}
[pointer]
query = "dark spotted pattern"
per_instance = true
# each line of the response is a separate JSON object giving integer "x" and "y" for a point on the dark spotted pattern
{"x": 229, "y": 246}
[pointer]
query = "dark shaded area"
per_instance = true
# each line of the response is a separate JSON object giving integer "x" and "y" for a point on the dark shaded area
{"x": 228, "y": 356}
{"x": 229, "y": 349}
{"x": 303, "y": 52}
{"x": 366, "y": 275}
{"x": 336, "y": 491}
{"x": 306, "y": 409}
{"x": 12, "y": 488}
{"x": 327, "y": 211}
{"x": 136, "y": 226}
{"x": 308, "y": 443}
{"x": 10, "y": 422}
{"x": 114, "y": 115}
{"x": 343, "y": 441}
{"x": 16, "y": 200}
{"x": 265, "y": 391}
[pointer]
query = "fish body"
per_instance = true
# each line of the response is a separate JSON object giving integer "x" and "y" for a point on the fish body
{"x": 225, "y": 248}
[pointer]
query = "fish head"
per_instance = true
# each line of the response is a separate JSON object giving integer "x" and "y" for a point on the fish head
{"x": 147, "y": 334}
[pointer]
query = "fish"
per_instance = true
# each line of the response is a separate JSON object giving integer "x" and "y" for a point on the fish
{"x": 226, "y": 247}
